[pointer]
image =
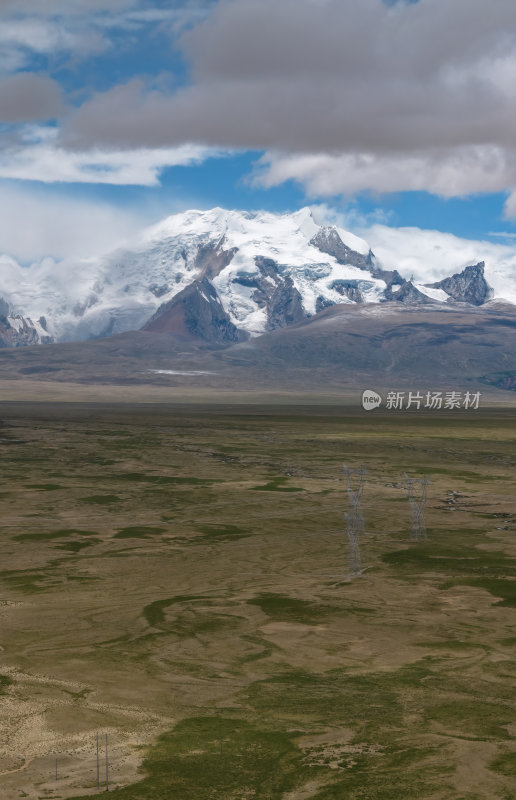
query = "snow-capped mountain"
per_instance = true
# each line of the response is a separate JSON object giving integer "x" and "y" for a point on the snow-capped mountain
{"x": 220, "y": 276}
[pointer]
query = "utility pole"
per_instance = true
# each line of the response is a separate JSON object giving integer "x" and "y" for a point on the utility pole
{"x": 107, "y": 767}
{"x": 98, "y": 764}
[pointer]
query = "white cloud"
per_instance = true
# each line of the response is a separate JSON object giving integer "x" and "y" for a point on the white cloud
{"x": 509, "y": 211}
{"x": 39, "y": 158}
{"x": 426, "y": 255}
{"x": 34, "y": 224}
{"x": 454, "y": 173}
{"x": 80, "y": 27}
{"x": 431, "y": 256}
{"x": 502, "y": 235}
{"x": 344, "y": 97}
{"x": 41, "y": 36}
{"x": 175, "y": 19}
{"x": 22, "y": 38}
{"x": 349, "y": 218}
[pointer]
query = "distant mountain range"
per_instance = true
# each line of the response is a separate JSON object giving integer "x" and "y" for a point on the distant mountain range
{"x": 222, "y": 277}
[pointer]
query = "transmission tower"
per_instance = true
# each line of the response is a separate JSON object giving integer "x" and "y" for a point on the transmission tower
{"x": 355, "y": 562}
{"x": 354, "y": 518}
{"x": 355, "y": 476}
{"x": 416, "y": 490}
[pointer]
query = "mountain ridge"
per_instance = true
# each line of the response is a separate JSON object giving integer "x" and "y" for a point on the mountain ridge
{"x": 218, "y": 276}
{"x": 345, "y": 347}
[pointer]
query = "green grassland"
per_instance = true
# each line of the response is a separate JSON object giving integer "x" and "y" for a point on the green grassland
{"x": 180, "y": 581}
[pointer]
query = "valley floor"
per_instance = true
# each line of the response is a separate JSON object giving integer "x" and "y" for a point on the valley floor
{"x": 179, "y": 580}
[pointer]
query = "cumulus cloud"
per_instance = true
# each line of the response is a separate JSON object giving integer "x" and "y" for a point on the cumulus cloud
{"x": 448, "y": 172}
{"x": 344, "y": 96}
{"x": 39, "y": 158}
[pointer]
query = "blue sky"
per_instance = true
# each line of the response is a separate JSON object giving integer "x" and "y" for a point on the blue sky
{"x": 399, "y": 113}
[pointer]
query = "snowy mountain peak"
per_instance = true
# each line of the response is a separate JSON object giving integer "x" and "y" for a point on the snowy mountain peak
{"x": 211, "y": 223}
{"x": 251, "y": 272}
{"x": 219, "y": 222}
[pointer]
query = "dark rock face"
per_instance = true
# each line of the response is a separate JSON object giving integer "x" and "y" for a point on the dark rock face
{"x": 285, "y": 306}
{"x": 352, "y": 289}
{"x": 322, "y": 303}
{"x": 390, "y": 276}
{"x": 327, "y": 240}
{"x": 211, "y": 259}
{"x": 159, "y": 291}
{"x": 407, "y": 293}
{"x": 349, "y": 289}
{"x": 276, "y": 293}
{"x": 22, "y": 334}
{"x": 196, "y": 312}
{"x": 468, "y": 286}
{"x": 264, "y": 284}
{"x": 4, "y": 308}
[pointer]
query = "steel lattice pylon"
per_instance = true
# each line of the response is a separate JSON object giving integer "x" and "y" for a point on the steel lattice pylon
{"x": 354, "y": 518}
{"x": 355, "y": 561}
{"x": 417, "y": 505}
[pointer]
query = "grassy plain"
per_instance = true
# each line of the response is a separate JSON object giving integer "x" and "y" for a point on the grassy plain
{"x": 179, "y": 580}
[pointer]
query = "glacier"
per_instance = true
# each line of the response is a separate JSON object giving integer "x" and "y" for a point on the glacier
{"x": 259, "y": 263}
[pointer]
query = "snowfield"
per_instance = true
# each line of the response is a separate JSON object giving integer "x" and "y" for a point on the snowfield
{"x": 85, "y": 298}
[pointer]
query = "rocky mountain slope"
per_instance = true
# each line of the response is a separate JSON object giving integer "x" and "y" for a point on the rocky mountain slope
{"x": 220, "y": 277}
{"x": 346, "y": 347}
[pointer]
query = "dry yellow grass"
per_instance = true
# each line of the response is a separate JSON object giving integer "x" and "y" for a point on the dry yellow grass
{"x": 163, "y": 567}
